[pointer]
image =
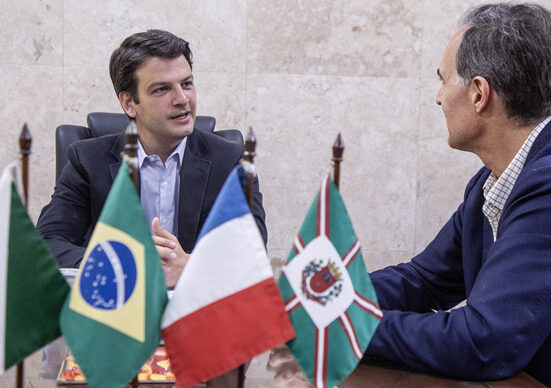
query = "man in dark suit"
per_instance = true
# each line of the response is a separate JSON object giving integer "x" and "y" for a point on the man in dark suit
{"x": 495, "y": 251}
{"x": 181, "y": 170}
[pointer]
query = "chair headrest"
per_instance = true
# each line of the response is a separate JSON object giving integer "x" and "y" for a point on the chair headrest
{"x": 103, "y": 123}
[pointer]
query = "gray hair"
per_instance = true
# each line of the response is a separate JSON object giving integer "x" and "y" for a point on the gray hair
{"x": 510, "y": 46}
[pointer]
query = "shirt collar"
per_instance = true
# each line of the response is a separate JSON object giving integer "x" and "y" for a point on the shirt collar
{"x": 178, "y": 151}
{"x": 497, "y": 190}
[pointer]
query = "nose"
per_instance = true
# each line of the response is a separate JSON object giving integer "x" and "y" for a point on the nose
{"x": 438, "y": 97}
{"x": 180, "y": 97}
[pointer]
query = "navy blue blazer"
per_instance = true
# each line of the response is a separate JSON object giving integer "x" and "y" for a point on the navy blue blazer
{"x": 505, "y": 325}
{"x": 67, "y": 222}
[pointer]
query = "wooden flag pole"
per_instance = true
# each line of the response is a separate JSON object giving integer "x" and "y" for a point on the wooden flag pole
{"x": 25, "y": 141}
{"x": 131, "y": 151}
{"x": 248, "y": 155}
{"x": 131, "y": 158}
{"x": 338, "y": 148}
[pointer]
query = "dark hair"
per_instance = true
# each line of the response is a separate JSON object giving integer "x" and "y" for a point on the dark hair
{"x": 134, "y": 51}
{"x": 510, "y": 46}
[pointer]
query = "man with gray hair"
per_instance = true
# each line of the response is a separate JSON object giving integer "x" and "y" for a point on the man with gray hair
{"x": 495, "y": 251}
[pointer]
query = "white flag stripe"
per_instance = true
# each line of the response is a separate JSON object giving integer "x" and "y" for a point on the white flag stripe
{"x": 320, "y": 357}
{"x": 369, "y": 306}
{"x": 351, "y": 335}
{"x": 351, "y": 254}
{"x": 223, "y": 247}
{"x": 117, "y": 270}
{"x": 298, "y": 246}
{"x": 322, "y": 207}
{"x": 292, "y": 303}
{"x": 5, "y": 206}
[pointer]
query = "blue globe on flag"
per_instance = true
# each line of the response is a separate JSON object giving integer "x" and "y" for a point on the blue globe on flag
{"x": 108, "y": 275}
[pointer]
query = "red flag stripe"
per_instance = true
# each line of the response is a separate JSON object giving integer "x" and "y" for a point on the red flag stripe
{"x": 320, "y": 358}
{"x": 292, "y": 304}
{"x": 322, "y": 222}
{"x": 344, "y": 320}
{"x": 263, "y": 327}
{"x": 325, "y": 351}
{"x": 368, "y": 306}
{"x": 317, "y": 350}
{"x": 349, "y": 256}
{"x": 299, "y": 244}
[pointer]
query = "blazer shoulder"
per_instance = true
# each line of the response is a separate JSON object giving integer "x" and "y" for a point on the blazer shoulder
{"x": 95, "y": 150}
{"x": 95, "y": 145}
{"x": 216, "y": 146}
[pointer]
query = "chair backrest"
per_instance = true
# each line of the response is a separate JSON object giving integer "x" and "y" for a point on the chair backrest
{"x": 103, "y": 123}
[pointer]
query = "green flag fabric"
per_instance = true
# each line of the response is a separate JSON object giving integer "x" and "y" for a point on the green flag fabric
{"x": 111, "y": 318}
{"x": 32, "y": 289}
{"x": 328, "y": 293}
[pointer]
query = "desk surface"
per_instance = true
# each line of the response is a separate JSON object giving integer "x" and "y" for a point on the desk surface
{"x": 377, "y": 374}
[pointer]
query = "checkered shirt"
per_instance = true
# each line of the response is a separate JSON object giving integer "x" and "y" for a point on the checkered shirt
{"x": 497, "y": 190}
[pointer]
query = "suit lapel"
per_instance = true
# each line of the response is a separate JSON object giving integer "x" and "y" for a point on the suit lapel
{"x": 118, "y": 147}
{"x": 194, "y": 176}
{"x": 543, "y": 139}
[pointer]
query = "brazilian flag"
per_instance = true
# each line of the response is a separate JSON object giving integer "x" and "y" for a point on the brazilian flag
{"x": 111, "y": 319}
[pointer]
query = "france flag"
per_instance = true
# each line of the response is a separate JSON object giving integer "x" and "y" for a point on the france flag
{"x": 226, "y": 307}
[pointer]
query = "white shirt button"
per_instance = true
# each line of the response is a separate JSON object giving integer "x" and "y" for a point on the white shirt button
{"x": 164, "y": 221}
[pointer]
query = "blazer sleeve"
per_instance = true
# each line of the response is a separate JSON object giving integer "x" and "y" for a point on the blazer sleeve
{"x": 65, "y": 221}
{"x": 258, "y": 213}
{"x": 507, "y": 315}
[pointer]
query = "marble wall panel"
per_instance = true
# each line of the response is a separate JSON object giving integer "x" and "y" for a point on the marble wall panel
{"x": 222, "y": 95}
{"x": 351, "y": 37}
{"x": 295, "y": 136}
{"x": 87, "y": 89}
{"x": 442, "y": 173}
{"x": 216, "y": 30}
{"x": 442, "y": 177}
{"x": 31, "y": 32}
{"x": 31, "y": 95}
{"x": 298, "y": 72}
{"x": 439, "y": 24}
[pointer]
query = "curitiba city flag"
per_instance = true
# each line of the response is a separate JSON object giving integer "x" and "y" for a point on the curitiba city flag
{"x": 111, "y": 319}
{"x": 32, "y": 289}
{"x": 328, "y": 293}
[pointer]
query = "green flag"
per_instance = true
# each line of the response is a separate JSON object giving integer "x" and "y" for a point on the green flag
{"x": 111, "y": 319}
{"x": 32, "y": 290}
{"x": 328, "y": 293}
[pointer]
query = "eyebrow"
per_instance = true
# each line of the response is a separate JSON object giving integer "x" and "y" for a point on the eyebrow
{"x": 164, "y": 83}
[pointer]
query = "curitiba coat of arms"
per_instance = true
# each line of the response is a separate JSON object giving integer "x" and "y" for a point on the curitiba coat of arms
{"x": 321, "y": 281}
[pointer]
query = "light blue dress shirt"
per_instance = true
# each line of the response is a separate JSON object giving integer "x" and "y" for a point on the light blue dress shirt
{"x": 160, "y": 186}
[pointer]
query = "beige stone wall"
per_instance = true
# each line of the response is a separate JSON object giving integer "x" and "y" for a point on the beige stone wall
{"x": 298, "y": 72}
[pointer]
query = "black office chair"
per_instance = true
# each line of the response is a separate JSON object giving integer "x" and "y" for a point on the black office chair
{"x": 102, "y": 123}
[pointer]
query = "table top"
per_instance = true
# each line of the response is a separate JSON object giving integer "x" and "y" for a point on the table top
{"x": 380, "y": 374}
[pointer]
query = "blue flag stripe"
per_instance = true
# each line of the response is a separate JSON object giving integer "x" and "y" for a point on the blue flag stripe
{"x": 230, "y": 203}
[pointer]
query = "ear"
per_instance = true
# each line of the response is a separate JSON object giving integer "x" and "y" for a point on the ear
{"x": 479, "y": 92}
{"x": 128, "y": 103}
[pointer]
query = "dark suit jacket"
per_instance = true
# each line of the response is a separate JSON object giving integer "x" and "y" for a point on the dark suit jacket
{"x": 506, "y": 324}
{"x": 67, "y": 222}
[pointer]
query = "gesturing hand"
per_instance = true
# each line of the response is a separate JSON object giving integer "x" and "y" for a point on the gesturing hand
{"x": 173, "y": 257}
